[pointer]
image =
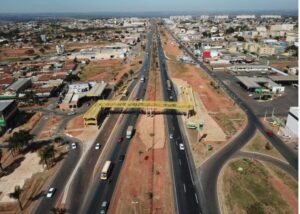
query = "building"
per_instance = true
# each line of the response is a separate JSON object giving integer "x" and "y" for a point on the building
{"x": 253, "y": 83}
{"x": 60, "y": 49}
{"x": 19, "y": 85}
{"x": 79, "y": 93}
{"x": 245, "y": 17}
{"x": 292, "y": 121}
{"x": 8, "y": 109}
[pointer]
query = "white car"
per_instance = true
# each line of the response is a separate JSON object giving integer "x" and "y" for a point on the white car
{"x": 97, "y": 146}
{"x": 181, "y": 146}
{"x": 71, "y": 113}
{"x": 171, "y": 136}
{"x": 73, "y": 145}
{"x": 50, "y": 192}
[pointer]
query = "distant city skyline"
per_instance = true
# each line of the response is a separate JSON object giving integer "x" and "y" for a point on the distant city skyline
{"x": 47, "y": 6}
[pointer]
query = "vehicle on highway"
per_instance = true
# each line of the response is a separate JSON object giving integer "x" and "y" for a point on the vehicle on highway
{"x": 120, "y": 140}
{"x": 104, "y": 207}
{"x": 125, "y": 93}
{"x": 121, "y": 158}
{"x": 50, "y": 192}
{"x": 181, "y": 146}
{"x": 71, "y": 113}
{"x": 169, "y": 86}
{"x": 97, "y": 146}
{"x": 129, "y": 132}
{"x": 171, "y": 136}
{"x": 106, "y": 170}
{"x": 73, "y": 146}
{"x": 142, "y": 79}
{"x": 171, "y": 97}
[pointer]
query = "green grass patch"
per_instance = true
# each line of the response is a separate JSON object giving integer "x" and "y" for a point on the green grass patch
{"x": 258, "y": 144}
{"x": 287, "y": 179}
{"x": 249, "y": 190}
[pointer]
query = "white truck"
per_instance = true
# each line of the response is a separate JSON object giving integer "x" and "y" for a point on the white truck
{"x": 129, "y": 132}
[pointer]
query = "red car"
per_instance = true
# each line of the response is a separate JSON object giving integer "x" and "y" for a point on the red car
{"x": 120, "y": 140}
{"x": 269, "y": 133}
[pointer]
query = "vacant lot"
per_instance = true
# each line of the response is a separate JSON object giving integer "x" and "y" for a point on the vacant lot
{"x": 250, "y": 187}
{"x": 260, "y": 144}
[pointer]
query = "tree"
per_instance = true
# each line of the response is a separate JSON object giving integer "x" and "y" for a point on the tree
{"x": 42, "y": 50}
{"x": 58, "y": 139}
{"x": 19, "y": 140}
{"x": 47, "y": 155}
{"x": 16, "y": 195}
{"x": 229, "y": 30}
{"x": 29, "y": 52}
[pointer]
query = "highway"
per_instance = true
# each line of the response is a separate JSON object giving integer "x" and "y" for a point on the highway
{"x": 90, "y": 193}
{"x": 209, "y": 171}
{"x": 186, "y": 197}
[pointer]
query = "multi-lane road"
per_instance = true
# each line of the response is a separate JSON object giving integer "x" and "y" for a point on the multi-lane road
{"x": 96, "y": 190}
{"x": 186, "y": 196}
{"x": 209, "y": 171}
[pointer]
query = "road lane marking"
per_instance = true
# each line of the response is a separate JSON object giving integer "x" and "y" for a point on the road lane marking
{"x": 184, "y": 188}
{"x": 196, "y": 198}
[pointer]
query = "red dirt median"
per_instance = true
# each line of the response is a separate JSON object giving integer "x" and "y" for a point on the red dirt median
{"x": 145, "y": 183}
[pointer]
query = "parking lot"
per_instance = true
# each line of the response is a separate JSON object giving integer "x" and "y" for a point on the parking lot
{"x": 280, "y": 104}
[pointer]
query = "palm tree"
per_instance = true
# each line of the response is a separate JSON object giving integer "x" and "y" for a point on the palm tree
{"x": 46, "y": 154}
{"x": 19, "y": 140}
{"x": 16, "y": 195}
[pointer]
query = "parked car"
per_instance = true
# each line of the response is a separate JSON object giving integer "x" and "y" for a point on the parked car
{"x": 171, "y": 136}
{"x": 50, "y": 192}
{"x": 97, "y": 146}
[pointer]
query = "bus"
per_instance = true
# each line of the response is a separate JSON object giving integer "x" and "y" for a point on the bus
{"x": 169, "y": 86}
{"x": 106, "y": 170}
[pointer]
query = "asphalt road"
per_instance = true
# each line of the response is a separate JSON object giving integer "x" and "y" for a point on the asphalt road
{"x": 186, "y": 196}
{"x": 86, "y": 194}
{"x": 46, "y": 204}
{"x": 209, "y": 171}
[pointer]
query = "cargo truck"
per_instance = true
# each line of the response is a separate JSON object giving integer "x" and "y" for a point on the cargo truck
{"x": 129, "y": 132}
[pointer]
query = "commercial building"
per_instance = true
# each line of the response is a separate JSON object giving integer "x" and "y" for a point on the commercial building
{"x": 292, "y": 121}
{"x": 253, "y": 83}
{"x": 8, "y": 108}
{"x": 78, "y": 93}
{"x": 19, "y": 85}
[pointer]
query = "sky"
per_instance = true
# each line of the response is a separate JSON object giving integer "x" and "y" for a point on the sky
{"x": 44, "y": 6}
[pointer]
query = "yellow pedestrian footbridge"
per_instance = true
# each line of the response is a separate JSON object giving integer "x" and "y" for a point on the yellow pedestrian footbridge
{"x": 91, "y": 116}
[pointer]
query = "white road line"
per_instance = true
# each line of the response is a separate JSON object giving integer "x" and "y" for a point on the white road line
{"x": 184, "y": 188}
{"x": 196, "y": 198}
{"x": 179, "y": 162}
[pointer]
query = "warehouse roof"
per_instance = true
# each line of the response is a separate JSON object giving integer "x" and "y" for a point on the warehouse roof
{"x": 248, "y": 82}
{"x": 4, "y": 104}
{"x": 283, "y": 78}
